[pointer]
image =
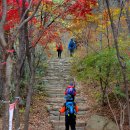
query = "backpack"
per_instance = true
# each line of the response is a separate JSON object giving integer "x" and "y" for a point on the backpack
{"x": 70, "y": 91}
{"x": 71, "y": 44}
{"x": 70, "y": 108}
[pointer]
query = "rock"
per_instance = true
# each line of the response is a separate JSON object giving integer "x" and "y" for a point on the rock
{"x": 111, "y": 126}
{"x": 97, "y": 122}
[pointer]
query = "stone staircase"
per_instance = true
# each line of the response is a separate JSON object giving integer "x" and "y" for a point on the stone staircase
{"x": 56, "y": 80}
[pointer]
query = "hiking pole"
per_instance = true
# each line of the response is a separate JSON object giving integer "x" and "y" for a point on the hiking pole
{"x": 59, "y": 121}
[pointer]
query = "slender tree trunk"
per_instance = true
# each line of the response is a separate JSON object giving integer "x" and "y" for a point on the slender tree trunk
{"x": 20, "y": 64}
{"x": 31, "y": 61}
{"x": 7, "y": 75}
{"x": 108, "y": 42}
{"x": 122, "y": 65}
{"x": 30, "y": 89}
{"x": 128, "y": 14}
{"x": 1, "y": 79}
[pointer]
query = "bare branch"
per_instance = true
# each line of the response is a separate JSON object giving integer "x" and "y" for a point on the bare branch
{"x": 2, "y": 40}
{"x": 29, "y": 18}
{"x": 115, "y": 118}
{"x": 3, "y": 19}
{"x": 4, "y": 12}
{"x": 26, "y": 11}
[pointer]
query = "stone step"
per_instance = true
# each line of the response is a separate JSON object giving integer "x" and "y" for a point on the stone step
{"x": 52, "y": 78}
{"x": 58, "y": 75}
{"x": 59, "y": 67}
{"x": 56, "y": 113}
{"x": 59, "y": 100}
{"x": 55, "y": 87}
{"x": 56, "y": 108}
{"x": 52, "y": 104}
{"x": 62, "y": 123}
{"x": 58, "y": 91}
{"x": 62, "y": 117}
{"x": 59, "y": 95}
{"x": 57, "y": 71}
{"x": 63, "y": 128}
{"x": 56, "y": 81}
{"x": 54, "y": 84}
{"x": 59, "y": 63}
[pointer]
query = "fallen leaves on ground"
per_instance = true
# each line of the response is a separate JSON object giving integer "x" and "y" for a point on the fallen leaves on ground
{"x": 39, "y": 117}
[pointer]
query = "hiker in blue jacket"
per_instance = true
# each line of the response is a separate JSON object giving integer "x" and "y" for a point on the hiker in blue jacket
{"x": 70, "y": 108}
{"x": 72, "y": 46}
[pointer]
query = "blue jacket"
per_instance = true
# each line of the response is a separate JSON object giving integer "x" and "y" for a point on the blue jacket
{"x": 71, "y": 45}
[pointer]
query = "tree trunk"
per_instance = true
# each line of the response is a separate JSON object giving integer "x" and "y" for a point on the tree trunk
{"x": 1, "y": 83}
{"x": 31, "y": 61}
{"x": 122, "y": 65}
{"x": 5, "y": 69}
{"x": 7, "y": 75}
{"x": 20, "y": 65}
{"x": 30, "y": 89}
{"x": 128, "y": 14}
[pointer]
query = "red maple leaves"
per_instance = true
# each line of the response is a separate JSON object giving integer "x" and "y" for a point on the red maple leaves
{"x": 82, "y": 7}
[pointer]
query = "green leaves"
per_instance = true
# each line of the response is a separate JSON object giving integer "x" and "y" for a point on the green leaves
{"x": 99, "y": 65}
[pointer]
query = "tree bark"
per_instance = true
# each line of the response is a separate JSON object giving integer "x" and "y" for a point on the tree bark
{"x": 122, "y": 65}
{"x": 128, "y": 14}
{"x": 5, "y": 69}
{"x": 20, "y": 63}
{"x": 31, "y": 62}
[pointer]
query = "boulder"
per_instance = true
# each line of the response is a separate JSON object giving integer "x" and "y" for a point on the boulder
{"x": 97, "y": 122}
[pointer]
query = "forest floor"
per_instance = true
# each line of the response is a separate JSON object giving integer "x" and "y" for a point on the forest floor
{"x": 90, "y": 92}
{"x": 39, "y": 118}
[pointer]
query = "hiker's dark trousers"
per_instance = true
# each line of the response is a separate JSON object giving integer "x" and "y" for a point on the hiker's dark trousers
{"x": 70, "y": 121}
{"x": 59, "y": 53}
{"x": 71, "y": 52}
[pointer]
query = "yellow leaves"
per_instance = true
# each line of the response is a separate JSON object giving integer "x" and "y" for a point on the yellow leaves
{"x": 91, "y": 18}
{"x": 116, "y": 12}
{"x": 46, "y": 7}
{"x": 124, "y": 41}
{"x": 38, "y": 24}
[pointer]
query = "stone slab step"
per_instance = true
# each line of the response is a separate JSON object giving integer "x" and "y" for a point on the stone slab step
{"x": 62, "y": 123}
{"x": 62, "y": 117}
{"x": 63, "y": 128}
{"x": 49, "y": 85}
{"x": 53, "y": 86}
{"x": 59, "y": 95}
{"x": 59, "y": 68}
{"x": 52, "y": 104}
{"x": 60, "y": 100}
{"x": 56, "y": 108}
{"x": 56, "y": 113}
{"x": 56, "y": 89}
